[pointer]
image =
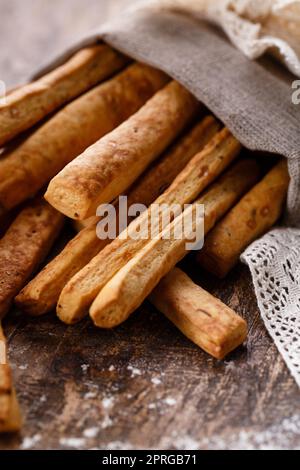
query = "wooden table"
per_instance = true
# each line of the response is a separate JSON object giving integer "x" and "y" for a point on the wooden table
{"x": 142, "y": 385}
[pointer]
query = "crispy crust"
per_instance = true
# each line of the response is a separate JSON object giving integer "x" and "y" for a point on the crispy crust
{"x": 112, "y": 164}
{"x": 249, "y": 219}
{"x": 24, "y": 246}
{"x": 28, "y": 104}
{"x": 134, "y": 282}
{"x": 200, "y": 316}
{"x": 41, "y": 294}
{"x": 81, "y": 290}
{"x": 158, "y": 177}
{"x": 79, "y": 225}
{"x": 162, "y": 173}
{"x": 30, "y": 166}
{"x": 10, "y": 417}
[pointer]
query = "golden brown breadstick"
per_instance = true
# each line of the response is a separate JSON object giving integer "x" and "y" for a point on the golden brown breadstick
{"x": 112, "y": 164}
{"x": 162, "y": 173}
{"x": 10, "y": 417}
{"x": 13, "y": 422}
{"x": 249, "y": 219}
{"x": 81, "y": 290}
{"x": 41, "y": 294}
{"x": 155, "y": 180}
{"x": 27, "y": 105}
{"x": 79, "y": 225}
{"x": 200, "y": 316}
{"x": 24, "y": 246}
{"x": 134, "y": 282}
{"x": 30, "y": 166}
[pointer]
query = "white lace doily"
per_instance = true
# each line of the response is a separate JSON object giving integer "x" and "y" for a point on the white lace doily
{"x": 253, "y": 26}
{"x": 274, "y": 262}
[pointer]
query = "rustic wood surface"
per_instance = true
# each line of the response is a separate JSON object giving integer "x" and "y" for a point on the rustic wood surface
{"x": 142, "y": 385}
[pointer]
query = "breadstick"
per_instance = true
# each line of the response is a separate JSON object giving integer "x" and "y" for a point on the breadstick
{"x": 79, "y": 225}
{"x": 125, "y": 292}
{"x": 24, "y": 246}
{"x": 81, "y": 290}
{"x": 156, "y": 179}
{"x": 27, "y": 105}
{"x": 112, "y": 164}
{"x": 162, "y": 173}
{"x": 10, "y": 417}
{"x": 41, "y": 294}
{"x": 248, "y": 220}
{"x": 200, "y": 316}
{"x": 30, "y": 166}
{"x": 13, "y": 422}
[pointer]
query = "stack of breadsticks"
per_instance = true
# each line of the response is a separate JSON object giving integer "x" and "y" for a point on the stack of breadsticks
{"x": 105, "y": 127}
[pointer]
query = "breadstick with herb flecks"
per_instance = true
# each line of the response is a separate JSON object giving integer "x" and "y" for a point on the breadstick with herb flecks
{"x": 42, "y": 293}
{"x": 204, "y": 167}
{"x": 24, "y": 247}
{"x": 256, "y": 213}
{"x": 130, "y": 286}
{"x": 200, "y": 316}
{"x": 111, "y": 165}
{"x": 28, "y": 104}
{"x": 31, "y": 165}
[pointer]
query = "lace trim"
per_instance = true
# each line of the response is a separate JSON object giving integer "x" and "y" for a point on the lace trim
{"x": 253, "y": 26}
{"x": 274, "y": 262}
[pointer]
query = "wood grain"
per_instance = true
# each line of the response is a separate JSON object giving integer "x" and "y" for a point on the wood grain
{"x": 142, "y": 385}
